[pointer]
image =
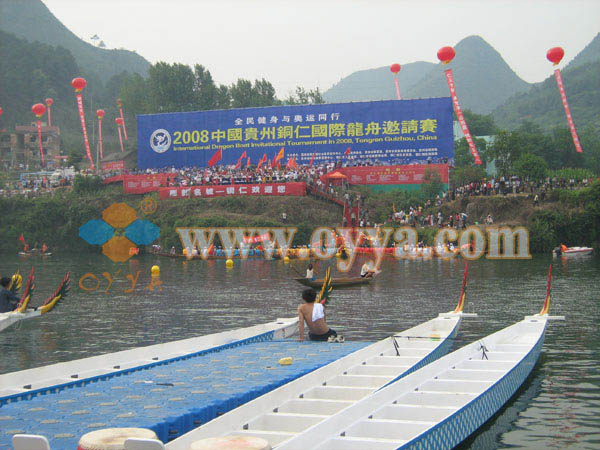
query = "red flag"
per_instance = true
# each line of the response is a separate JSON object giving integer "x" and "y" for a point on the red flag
{"x": 262, "y": 161}
{"x": 312, "y": 160}
{"x": 243, "y": 155}
{"x": 280, "y": 155}
{"x": 248, "y": 162}
{"x": 215, "y": 158}
{"x": 22, "y": 239}
{"x": 239, "y": 164}
{"x": 347, "y": 152}
{"x": 291, "y": 164}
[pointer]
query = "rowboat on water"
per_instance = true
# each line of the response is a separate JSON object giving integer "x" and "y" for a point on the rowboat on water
{"x": 335, "y": 282}
{"x": 439, "y": 405}
{"x": 23, "y": 310}
{"x": 306, "y": 402}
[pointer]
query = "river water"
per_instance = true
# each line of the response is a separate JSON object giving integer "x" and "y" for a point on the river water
{"x": 557, "y": 407}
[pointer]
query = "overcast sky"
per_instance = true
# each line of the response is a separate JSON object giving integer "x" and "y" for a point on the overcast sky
{"x": 314, "y": 43}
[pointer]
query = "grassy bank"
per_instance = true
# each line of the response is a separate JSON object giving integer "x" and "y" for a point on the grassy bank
{"x": 56, "y": 220}
{"x": 570, "y": 217}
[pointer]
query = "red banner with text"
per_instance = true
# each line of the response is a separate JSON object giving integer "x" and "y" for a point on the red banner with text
{"x": 460, "y": 116}
{"x": 411, "y": 174}
{"x": 113, "y": 165}
{"x": 563, "y": 96}
{"x": 211, "y": 191}
{"x": 140, "y": 184}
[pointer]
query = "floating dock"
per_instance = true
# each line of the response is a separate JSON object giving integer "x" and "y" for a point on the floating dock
{"x": 171, "y": 397}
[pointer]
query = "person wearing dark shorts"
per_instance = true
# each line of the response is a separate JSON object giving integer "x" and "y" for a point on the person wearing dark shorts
{"x": 313, "y": 313}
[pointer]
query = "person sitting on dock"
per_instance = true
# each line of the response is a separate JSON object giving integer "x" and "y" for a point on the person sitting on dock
{"x": 313, "y": 313}
{"x": 7, "y": 298}
{"x": 310, "y": 273}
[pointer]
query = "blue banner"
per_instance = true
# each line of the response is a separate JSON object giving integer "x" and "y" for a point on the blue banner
{"x": 382, "y": 132}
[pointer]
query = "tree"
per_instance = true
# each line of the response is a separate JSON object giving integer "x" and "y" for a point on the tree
{"x": 432, "y": 184}
{"x": 304, "y": 97}
{"x": 480, "y": 125}
{"x": 462, "y": 154}
{"x": 75, "y": 157}
{"x": 206, "y": 93}
{"x": 467, "y": 174}
{"x": 531, "y": 167}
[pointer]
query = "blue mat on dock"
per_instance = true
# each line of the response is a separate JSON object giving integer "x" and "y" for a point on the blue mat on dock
{"x": 170, "y": 399}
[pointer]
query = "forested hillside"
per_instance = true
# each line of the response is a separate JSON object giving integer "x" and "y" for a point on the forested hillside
{"x": 376, "y": 84}
{"x": 31, "y": 72}
{"x": 33, "y": 21}
{"x": 483, "y": 79}
{"x": 542, "y": 104}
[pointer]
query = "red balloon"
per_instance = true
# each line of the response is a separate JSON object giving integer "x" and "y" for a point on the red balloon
{"x": 555, "y": 55}
{"x": 38, "y": 109}
{"x": 78, "y": 83}
{"x": 100, "y": 113}
{"x": 119, "y": 121}
{"x": 49, "y": 101}
{"x": 395, "y": 68}
{"x": 446, "y": 54}
{"x": 1, "y": 111}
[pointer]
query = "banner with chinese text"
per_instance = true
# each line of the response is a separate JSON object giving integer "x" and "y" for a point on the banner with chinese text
{"x": 113, "y": 165}
{"x": 391, "y": 131}
{"x": 232, "y": 189}
{"x": 141, "y": 184}
{"x": 412, "y": 174}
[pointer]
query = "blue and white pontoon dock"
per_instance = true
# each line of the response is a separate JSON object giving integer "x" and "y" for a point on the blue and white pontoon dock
{"x": 169, "y": 388}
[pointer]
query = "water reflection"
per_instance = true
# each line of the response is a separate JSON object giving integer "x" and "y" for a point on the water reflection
{"x": 559, "y": 406}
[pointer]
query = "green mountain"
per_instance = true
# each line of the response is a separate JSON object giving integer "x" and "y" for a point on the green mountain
{"x": 542, "y": 104}
{"x": 590, "y": 53}
{"x": 33, "y": 21}
{"x": 376, "y": 84}
{"x": 483, "y": 79}
{"x": 30, "y": 72}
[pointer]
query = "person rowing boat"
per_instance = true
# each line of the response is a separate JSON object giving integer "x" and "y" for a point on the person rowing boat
{"x": 8, "y": 300}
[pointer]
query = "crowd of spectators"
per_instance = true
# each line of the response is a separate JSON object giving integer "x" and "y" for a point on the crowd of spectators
{"x": 34, "y": 187}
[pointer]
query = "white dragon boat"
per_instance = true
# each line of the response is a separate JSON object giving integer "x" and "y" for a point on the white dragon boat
{"x": 439, "y": 405}
{"x": 310, "y": 400}
{"x": 23, "y": 310}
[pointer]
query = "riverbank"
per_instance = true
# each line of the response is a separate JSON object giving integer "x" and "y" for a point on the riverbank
{"x": 568, "y": 216}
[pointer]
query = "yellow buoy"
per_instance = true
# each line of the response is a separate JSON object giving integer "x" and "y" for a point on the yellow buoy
{"x": 286, "y": 361}
{"x": 155, "y": 271}
{"x": 286, "y": 259}
{"x": 229, "y": 263}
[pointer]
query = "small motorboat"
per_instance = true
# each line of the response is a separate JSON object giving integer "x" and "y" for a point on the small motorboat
{"x": 35, "y": 253}
{"x": 336, "y": 283}
{"x": 573, "y": 251}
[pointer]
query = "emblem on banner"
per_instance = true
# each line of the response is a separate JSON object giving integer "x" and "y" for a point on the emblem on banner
{"x": 160, "y": 141}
